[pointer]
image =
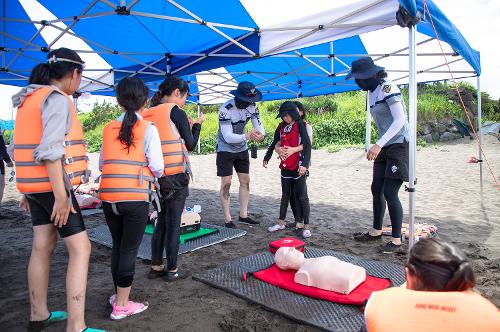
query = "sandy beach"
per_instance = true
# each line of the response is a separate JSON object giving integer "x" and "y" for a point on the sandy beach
{"x": 448, "y": 195}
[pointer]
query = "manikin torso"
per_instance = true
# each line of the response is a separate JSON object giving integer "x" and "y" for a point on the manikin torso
{"x": 326, "y": 272}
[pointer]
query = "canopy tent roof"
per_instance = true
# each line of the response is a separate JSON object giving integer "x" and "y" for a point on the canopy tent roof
{"x": 288, "y": 48}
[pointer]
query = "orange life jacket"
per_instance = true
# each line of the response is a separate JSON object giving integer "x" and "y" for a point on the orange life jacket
{"x": 175, "y": 154}
{"x": 125, "y": 172}
{"x": 32, "y": 177}
{"x": 397, "y": 309}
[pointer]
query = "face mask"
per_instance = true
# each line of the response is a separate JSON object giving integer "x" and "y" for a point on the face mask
{"x": 241, "y": 104}
{"x": 367, "y": 84}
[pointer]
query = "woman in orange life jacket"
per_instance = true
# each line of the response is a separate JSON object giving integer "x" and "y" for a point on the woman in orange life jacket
{"x": 291, "y": 133}
{"x": 130, "y": 160}
{"x": 178, "y": 137}
{"x": 50, "y": 157}
{"x": 438, "y": 296}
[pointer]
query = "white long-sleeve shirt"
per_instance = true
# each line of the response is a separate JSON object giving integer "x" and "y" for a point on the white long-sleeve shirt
{"x": 152, "y": 149}
{"x": 232, "y": 121}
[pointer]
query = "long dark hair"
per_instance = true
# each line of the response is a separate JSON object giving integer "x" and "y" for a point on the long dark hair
{"x": 301, "y": 108}
{"x": 131, "y": 94}
{"x": 167, "y": 87}
{"x": 438, "y": 266}
{"x": 56, "y": 67}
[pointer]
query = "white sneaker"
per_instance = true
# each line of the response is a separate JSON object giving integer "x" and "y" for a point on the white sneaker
{"x": 277, "y": 227}
{"x": 306, "y": 233}
{"x": 112, "y": 299}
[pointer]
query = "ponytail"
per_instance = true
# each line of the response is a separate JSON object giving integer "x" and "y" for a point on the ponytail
{"x": 40, "y": 74}
{"x": 60, "y": 63}
{"x": 126, "y": 131}
{"x": 463, "y": 278}
{"x": 156, "y": 99}
{"x": 132, "y": 95}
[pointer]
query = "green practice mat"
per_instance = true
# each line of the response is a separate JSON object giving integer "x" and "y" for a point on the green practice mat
{"x": 188, "y": 236}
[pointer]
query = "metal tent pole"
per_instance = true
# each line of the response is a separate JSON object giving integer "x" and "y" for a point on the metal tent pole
{"x": 368, "y": 129}
{"x": 480, "y": 130}
{"x": 199, "y": 139}
{"x": 412, "y": 101}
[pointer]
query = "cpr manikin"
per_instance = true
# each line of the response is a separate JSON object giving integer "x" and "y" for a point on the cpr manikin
{"x": 326, "y": 272}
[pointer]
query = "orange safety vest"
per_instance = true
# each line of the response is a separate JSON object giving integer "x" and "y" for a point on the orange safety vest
{"x": 175, "y": 154}
{"x": 32, "y": 177}
{"x": 397, "y": 309}
{"x": 125, "y": 172}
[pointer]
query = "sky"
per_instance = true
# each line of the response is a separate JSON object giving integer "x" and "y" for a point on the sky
{"x": 478, "y": 21}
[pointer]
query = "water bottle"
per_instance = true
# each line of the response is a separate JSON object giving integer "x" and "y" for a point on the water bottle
{"x": 253, "y": 151}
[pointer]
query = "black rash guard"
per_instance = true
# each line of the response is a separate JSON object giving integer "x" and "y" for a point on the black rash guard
{"x": 305, "y": 141}
{"x": 190, "y": 136}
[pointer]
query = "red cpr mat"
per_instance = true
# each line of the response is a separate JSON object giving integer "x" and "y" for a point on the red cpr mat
{"x": 284, "y": 279}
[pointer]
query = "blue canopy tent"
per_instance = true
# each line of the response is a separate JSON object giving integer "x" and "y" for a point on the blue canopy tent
{"x": 288, "y": 48}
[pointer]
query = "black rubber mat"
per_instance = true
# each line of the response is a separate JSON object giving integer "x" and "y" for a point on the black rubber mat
{"x": 102, "y": 236}
{"x": 322, "y": 314}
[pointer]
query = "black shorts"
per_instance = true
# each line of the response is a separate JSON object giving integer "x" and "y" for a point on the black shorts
{"x": 392, "y": 162}
{"x": 2, "y": 167}
{"x": 41, "y": 209}
{"x": 227, "y": 160}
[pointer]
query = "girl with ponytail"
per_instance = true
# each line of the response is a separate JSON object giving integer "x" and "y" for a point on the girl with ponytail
{"x": 46, "y": 121}
{"x": 439, "y": 295}
{"x": 131, "y": 158}
{"x": 178, "y": 136}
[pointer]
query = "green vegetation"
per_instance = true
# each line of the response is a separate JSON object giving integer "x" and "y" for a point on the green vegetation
{"x": 338, "y": 120}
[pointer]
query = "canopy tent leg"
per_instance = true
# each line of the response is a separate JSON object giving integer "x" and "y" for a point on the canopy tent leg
{"x": 368, "y": 128}
{"x": 480, "y": 131}
{"x": 412, "y": 121}
{"x": 199, "y": 139}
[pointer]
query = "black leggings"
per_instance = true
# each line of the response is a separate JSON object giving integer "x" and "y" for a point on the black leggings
{"x": 294, "y": 190}
{"x": 127, "y": 230}
{"x": 167, "y": 229}
{"x": 385, "y": 190}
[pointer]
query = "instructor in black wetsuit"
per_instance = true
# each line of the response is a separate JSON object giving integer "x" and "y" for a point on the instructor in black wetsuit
{"x": 389, "y": 153}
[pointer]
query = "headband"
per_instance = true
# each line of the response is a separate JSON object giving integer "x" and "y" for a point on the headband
{"x": 442, "y": 271}
{"x": 54, "y": 59}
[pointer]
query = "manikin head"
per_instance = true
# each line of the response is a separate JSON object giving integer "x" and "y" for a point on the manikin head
{"x": 288, "y": 258}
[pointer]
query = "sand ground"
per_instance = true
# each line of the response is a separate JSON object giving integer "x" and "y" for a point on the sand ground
{"x": 448, "y": 195}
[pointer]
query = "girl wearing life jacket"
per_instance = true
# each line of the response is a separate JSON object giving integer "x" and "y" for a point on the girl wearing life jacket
{"x": 389, "y": 153}
{"x": 130, "y": 160}
{"x": 178, "y": 137}
{"x": 50, "y": 158}
{"x": 283, "y": 154}
{"x": 290, "y": 134}
{"x": 439, "y": 295}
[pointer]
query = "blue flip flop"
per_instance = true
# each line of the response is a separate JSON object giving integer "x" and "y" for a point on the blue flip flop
{"x": 54, "y": 317}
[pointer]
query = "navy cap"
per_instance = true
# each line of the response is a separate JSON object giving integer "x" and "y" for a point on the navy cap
{"x": 247, "y": 91}
{"x": 363, "y": 68}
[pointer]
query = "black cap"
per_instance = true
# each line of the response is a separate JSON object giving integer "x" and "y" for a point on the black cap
{"x": 247, "y": 91}
{"x": 288, "y": 107}
{"x": 363, "y": 68}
